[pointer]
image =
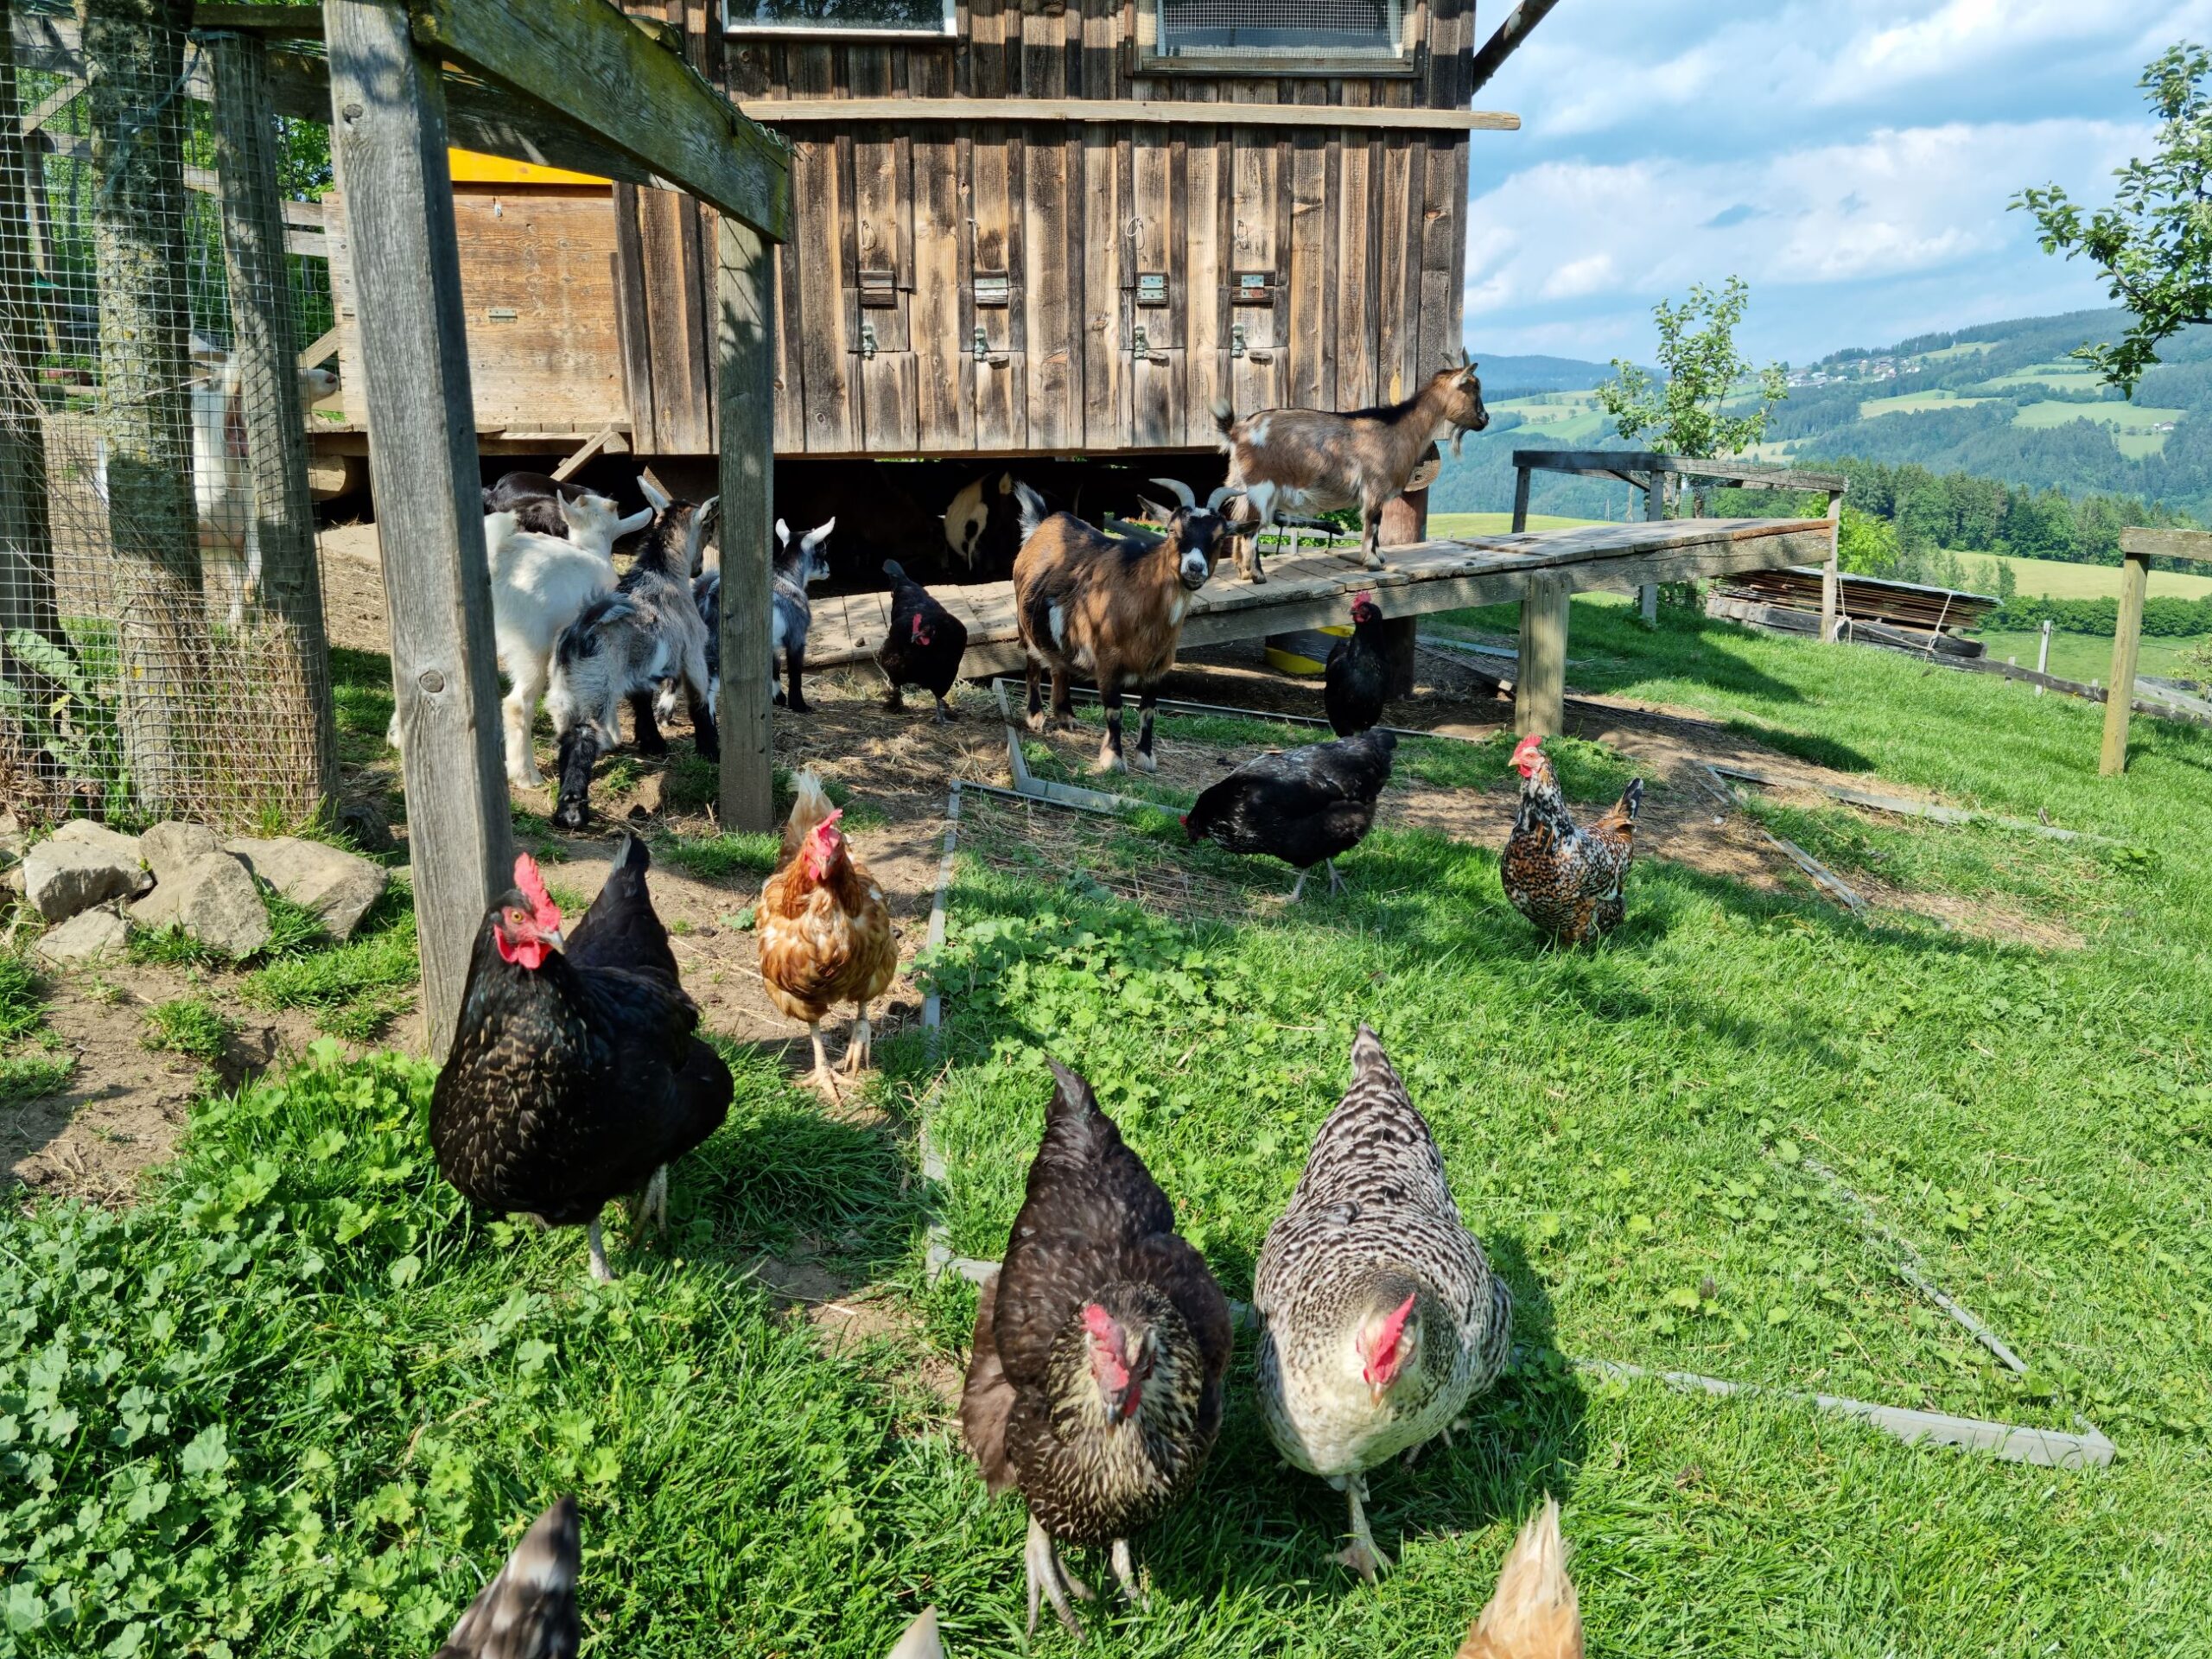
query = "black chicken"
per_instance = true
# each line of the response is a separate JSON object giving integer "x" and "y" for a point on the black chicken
{"x": 575, "y": 1075}
{"x": 924, "y": 646}
{"x": 1303, "y": 807}
{"x": 528, "y": 1611}
{"x": 1101, "y": 1344}
{"x": 1357, "y": 683}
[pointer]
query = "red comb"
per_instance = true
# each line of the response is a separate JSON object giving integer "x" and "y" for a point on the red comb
{"x": 1527, "y": 745}
{"x": 1392, "y": 1326}
{"x": 829, "y": 822}
{"x": 544, "y": 910}
{"x": 1363, "y": 599}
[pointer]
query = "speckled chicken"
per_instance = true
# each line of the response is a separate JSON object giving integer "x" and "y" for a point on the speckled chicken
{"x": 529, "y": 1610}
{"x": 1303, "y": 807}
{"x": 1536, "y": 1613}
{"x": 575, "y": 1076}
{"x": 923, "y": 646}
{"x": 1356, "y": 680}
{"x": 825, "y": 931}
{"x": 1380, "y": 1317}
{"x": 1564, "y": 878}
{"x": 1095, "y": 1381}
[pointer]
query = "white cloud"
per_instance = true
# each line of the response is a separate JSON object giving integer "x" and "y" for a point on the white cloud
{"x": 1572, "y": 236}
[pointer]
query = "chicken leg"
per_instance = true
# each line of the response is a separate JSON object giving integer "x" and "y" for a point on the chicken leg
{"x": 598, "y": 1269}
{"x": 1125, "y": 1570}
{"x": 856, "y": 1049}
{"x": 822, "y": 1077}
{"x": 1364, "y": 1556}
{"x": 1046, "y": 1580}
{"x": 1337, "y": 883}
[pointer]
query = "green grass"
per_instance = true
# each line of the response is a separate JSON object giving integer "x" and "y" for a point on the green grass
{"x": 2085, "y": 656}
{"x": 189, "y": 1025}
{"x": 1496, "y": 523}
{"x": 299, "y": 1401}
{"x": 29, "y": 1066}
{"x": 1913, "y": 401}
{"x": 2126, "y": 417}
{"x": 2060, "y": 581}
{"x": 355, "y": 990}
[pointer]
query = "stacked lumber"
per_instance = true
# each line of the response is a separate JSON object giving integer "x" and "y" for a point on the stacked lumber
{"x": 1786, "y": 618}
{"x": 1904, "y": 614}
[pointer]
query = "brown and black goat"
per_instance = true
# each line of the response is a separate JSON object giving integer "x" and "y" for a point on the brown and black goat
{"x": 1299, "y": 462}
{"x": 1110, "y": 606}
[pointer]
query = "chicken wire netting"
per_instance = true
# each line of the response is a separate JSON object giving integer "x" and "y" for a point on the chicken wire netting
{"x": 1283, "y": 28}
{"x": 162, "y": 645}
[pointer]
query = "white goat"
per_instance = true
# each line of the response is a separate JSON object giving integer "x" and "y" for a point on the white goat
{"x": 540, "y": 584}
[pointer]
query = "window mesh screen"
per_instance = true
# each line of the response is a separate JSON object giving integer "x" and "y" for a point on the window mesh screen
{"x": 926, "y": 16}
{"x": 1279, "y": 26}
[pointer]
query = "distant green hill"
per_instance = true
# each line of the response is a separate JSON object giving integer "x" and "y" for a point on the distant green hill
{"x": 1999, "y": 400}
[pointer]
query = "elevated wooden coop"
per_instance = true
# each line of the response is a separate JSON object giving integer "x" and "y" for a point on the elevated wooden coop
{"x": 1044, "y": 230}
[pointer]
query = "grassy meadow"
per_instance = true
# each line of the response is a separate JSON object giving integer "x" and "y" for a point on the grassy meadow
{"x": 299, "y": 1401}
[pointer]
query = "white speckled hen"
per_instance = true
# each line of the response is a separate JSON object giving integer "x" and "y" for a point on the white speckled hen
{"x": 529, "y": 1611}
{"x": 575, "y": 1076}
{"x": 1380, "y": 1317}
{"x": 1096, "y": 1382}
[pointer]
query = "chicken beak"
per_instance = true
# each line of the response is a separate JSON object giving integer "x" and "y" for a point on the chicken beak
{"x": 1377, "y": 1393}
{"x": 552, "y": 936}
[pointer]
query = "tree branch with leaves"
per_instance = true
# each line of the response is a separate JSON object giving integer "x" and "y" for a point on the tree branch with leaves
{"x": 2154, "y": 242}
{"x": 1685, "y": 410}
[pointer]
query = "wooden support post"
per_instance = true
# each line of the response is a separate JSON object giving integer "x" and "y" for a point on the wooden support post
{"x": 1405, "y": 521}
{"x": 2127, "y": 644}
{"x": 2043, "y": 653}
{"x": 1655, "y": 508}
{"x": 388, "y": 141}
{"x": 294, "y": 651}
{"x": 1519, "y": 499}
{"x": 1540, "y": 684}
{"x": 745, "y": 401}
{"x": 26, "y": 536}
{"x": 134, "y": 60}
{"x": 1831, "y": 572}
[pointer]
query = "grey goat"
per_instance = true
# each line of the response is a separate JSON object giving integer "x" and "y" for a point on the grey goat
{"x": 797, "y": 569}
{"x": 632, "y": 644}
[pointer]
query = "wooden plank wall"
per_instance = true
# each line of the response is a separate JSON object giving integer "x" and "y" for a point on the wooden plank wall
{"x": 1360, "y": 233}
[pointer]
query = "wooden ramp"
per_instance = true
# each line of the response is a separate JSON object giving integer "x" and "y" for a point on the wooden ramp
{"x": 1315, "y": 588}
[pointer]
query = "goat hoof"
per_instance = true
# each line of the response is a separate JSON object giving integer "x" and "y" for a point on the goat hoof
{"x": 656, "y": 745}
{"x": 1147, "y": 761}
{"x": 1037, "y": 722}
{"x": 708, "y": 751}
{"x": 571, "y": 815}
{"x": 799, "y": 706}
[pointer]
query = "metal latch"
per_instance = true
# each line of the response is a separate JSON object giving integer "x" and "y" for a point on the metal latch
{"x": 868, "y": 341}
{"x": 982, "y": 345}
{"x": 1237, "y": 339}
{"x": 1141, "y": 347}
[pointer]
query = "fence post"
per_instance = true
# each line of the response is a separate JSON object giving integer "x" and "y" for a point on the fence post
{"x": 1831, "y": 572}
{"x": 1404, "y": 522}
{"x": 1540, "y": 681}
{"x": 745, "y": 430}
{"x": 25, "y": 536}
{"x": 388, "y": 141}
{"x": 296, "y": 680}
{"x": 2043, "y": 653}
{"x": 2127, "y": 644}
{"x": 134, "y": 61}
{"x": 1655, "y": 508}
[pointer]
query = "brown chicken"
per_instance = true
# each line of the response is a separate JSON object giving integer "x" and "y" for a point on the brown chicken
{"x": 1534, "y": 1614}
{"x": 825, "y": 931}
{"x": 1565, "y": 878}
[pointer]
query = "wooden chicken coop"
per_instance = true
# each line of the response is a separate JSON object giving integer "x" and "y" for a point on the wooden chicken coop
{"x": 1046, "y": 229}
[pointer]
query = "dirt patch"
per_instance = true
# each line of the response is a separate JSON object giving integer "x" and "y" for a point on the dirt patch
{"x": 845, "y": 1316}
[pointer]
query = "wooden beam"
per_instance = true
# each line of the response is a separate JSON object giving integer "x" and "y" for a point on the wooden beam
{"x": 1832, "y": 571}
{"x": 745, "y": 423}
{"x": 265, "y": 352}
{"x": 2193, "y": 544}
{"x": 1540, "y": 687}
{"x": 1655, "y": 509}
{"x": 270, "y": 22}
{"x": 325, "y": 345}
{"x": 27, "y": 595}
{"x": 582, "y": 453}
{"x": 1748, "y": 474}
{"x": 2127, "y": 646}
{"x": 388, "y": 142}
{"x": 585, "y": 59}
{"x": 1503, "y": 45}
{"x": 1125, "y": 112}
{"x": 40, "y": 113}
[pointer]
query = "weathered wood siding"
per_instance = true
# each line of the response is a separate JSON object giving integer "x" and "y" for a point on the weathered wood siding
{"x": 886, "y": 346}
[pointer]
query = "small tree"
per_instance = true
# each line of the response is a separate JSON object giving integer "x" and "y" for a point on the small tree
{"x": 1703, "y": 369}
{"x": 2154, "y": 242}
{"x": 1866, "y": 543}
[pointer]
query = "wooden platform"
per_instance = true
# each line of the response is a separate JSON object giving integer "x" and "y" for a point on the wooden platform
{"x": 1314, "y": 588}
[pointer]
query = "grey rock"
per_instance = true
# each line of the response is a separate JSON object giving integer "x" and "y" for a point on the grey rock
{"x": 217, "y": 904}
{"x": 86, "y": 937}
{"x": 167, "y": 847}
{"x": 338, "y": 886}
{"x": 365, "y": 821}
{"x": 80, "y": 865}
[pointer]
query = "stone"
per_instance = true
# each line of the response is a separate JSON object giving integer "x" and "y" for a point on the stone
{"x": 86, "y": 937}
{"x": 338, "y": 886}
{"x": 216, "y": 903}
{"x": 365, "y": 821}
{"x": 80, "y": 865}
{"x": 167, "y": 847}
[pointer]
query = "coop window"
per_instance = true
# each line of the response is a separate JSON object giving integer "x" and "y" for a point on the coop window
{"x": 838, "y": 16}
{"x": 1286, "y": 28}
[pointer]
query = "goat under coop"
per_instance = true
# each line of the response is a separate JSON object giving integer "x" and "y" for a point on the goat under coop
{"x": 162, "y": 644}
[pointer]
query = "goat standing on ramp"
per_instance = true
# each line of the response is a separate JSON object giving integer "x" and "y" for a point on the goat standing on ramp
{"x": 1110, "y": 606}
{"x": 1301, "y": 462}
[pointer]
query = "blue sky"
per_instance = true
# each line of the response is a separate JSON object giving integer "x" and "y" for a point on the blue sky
{"x": 1851, "y": 161}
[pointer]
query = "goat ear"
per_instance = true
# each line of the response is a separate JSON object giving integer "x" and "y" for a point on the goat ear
{"x": 706, "y": 514}
{"x": 820, "y": 533}
{"x": 783, "y": 534}
{"x": 636, "y": 522}
{"x": 1153, "y": 510}
{"x": 654, "y": 493}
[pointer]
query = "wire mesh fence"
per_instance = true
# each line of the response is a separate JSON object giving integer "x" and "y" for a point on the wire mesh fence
{"x": 161, "y": 646}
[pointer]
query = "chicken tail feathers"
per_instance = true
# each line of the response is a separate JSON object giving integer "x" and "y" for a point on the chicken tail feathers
{"x": 1369, "y": 1065}
{"x": 986, "y": 1396}
{"x": 921, "y": 1640}
{"x": 893, "y": 569}
{"x": 1632, "y": 799}
{"x": 529, "y": 1612}
{"x": 809, "y": 808}
{"x": 1534, "y": 1614}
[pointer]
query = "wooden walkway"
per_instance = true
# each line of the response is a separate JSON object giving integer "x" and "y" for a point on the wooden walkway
{"x": 1314, "y": 588}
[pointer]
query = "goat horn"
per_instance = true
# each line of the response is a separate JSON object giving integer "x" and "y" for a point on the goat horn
{"x": 1182, "y": 491}
{"x": 1222, "y": 497}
